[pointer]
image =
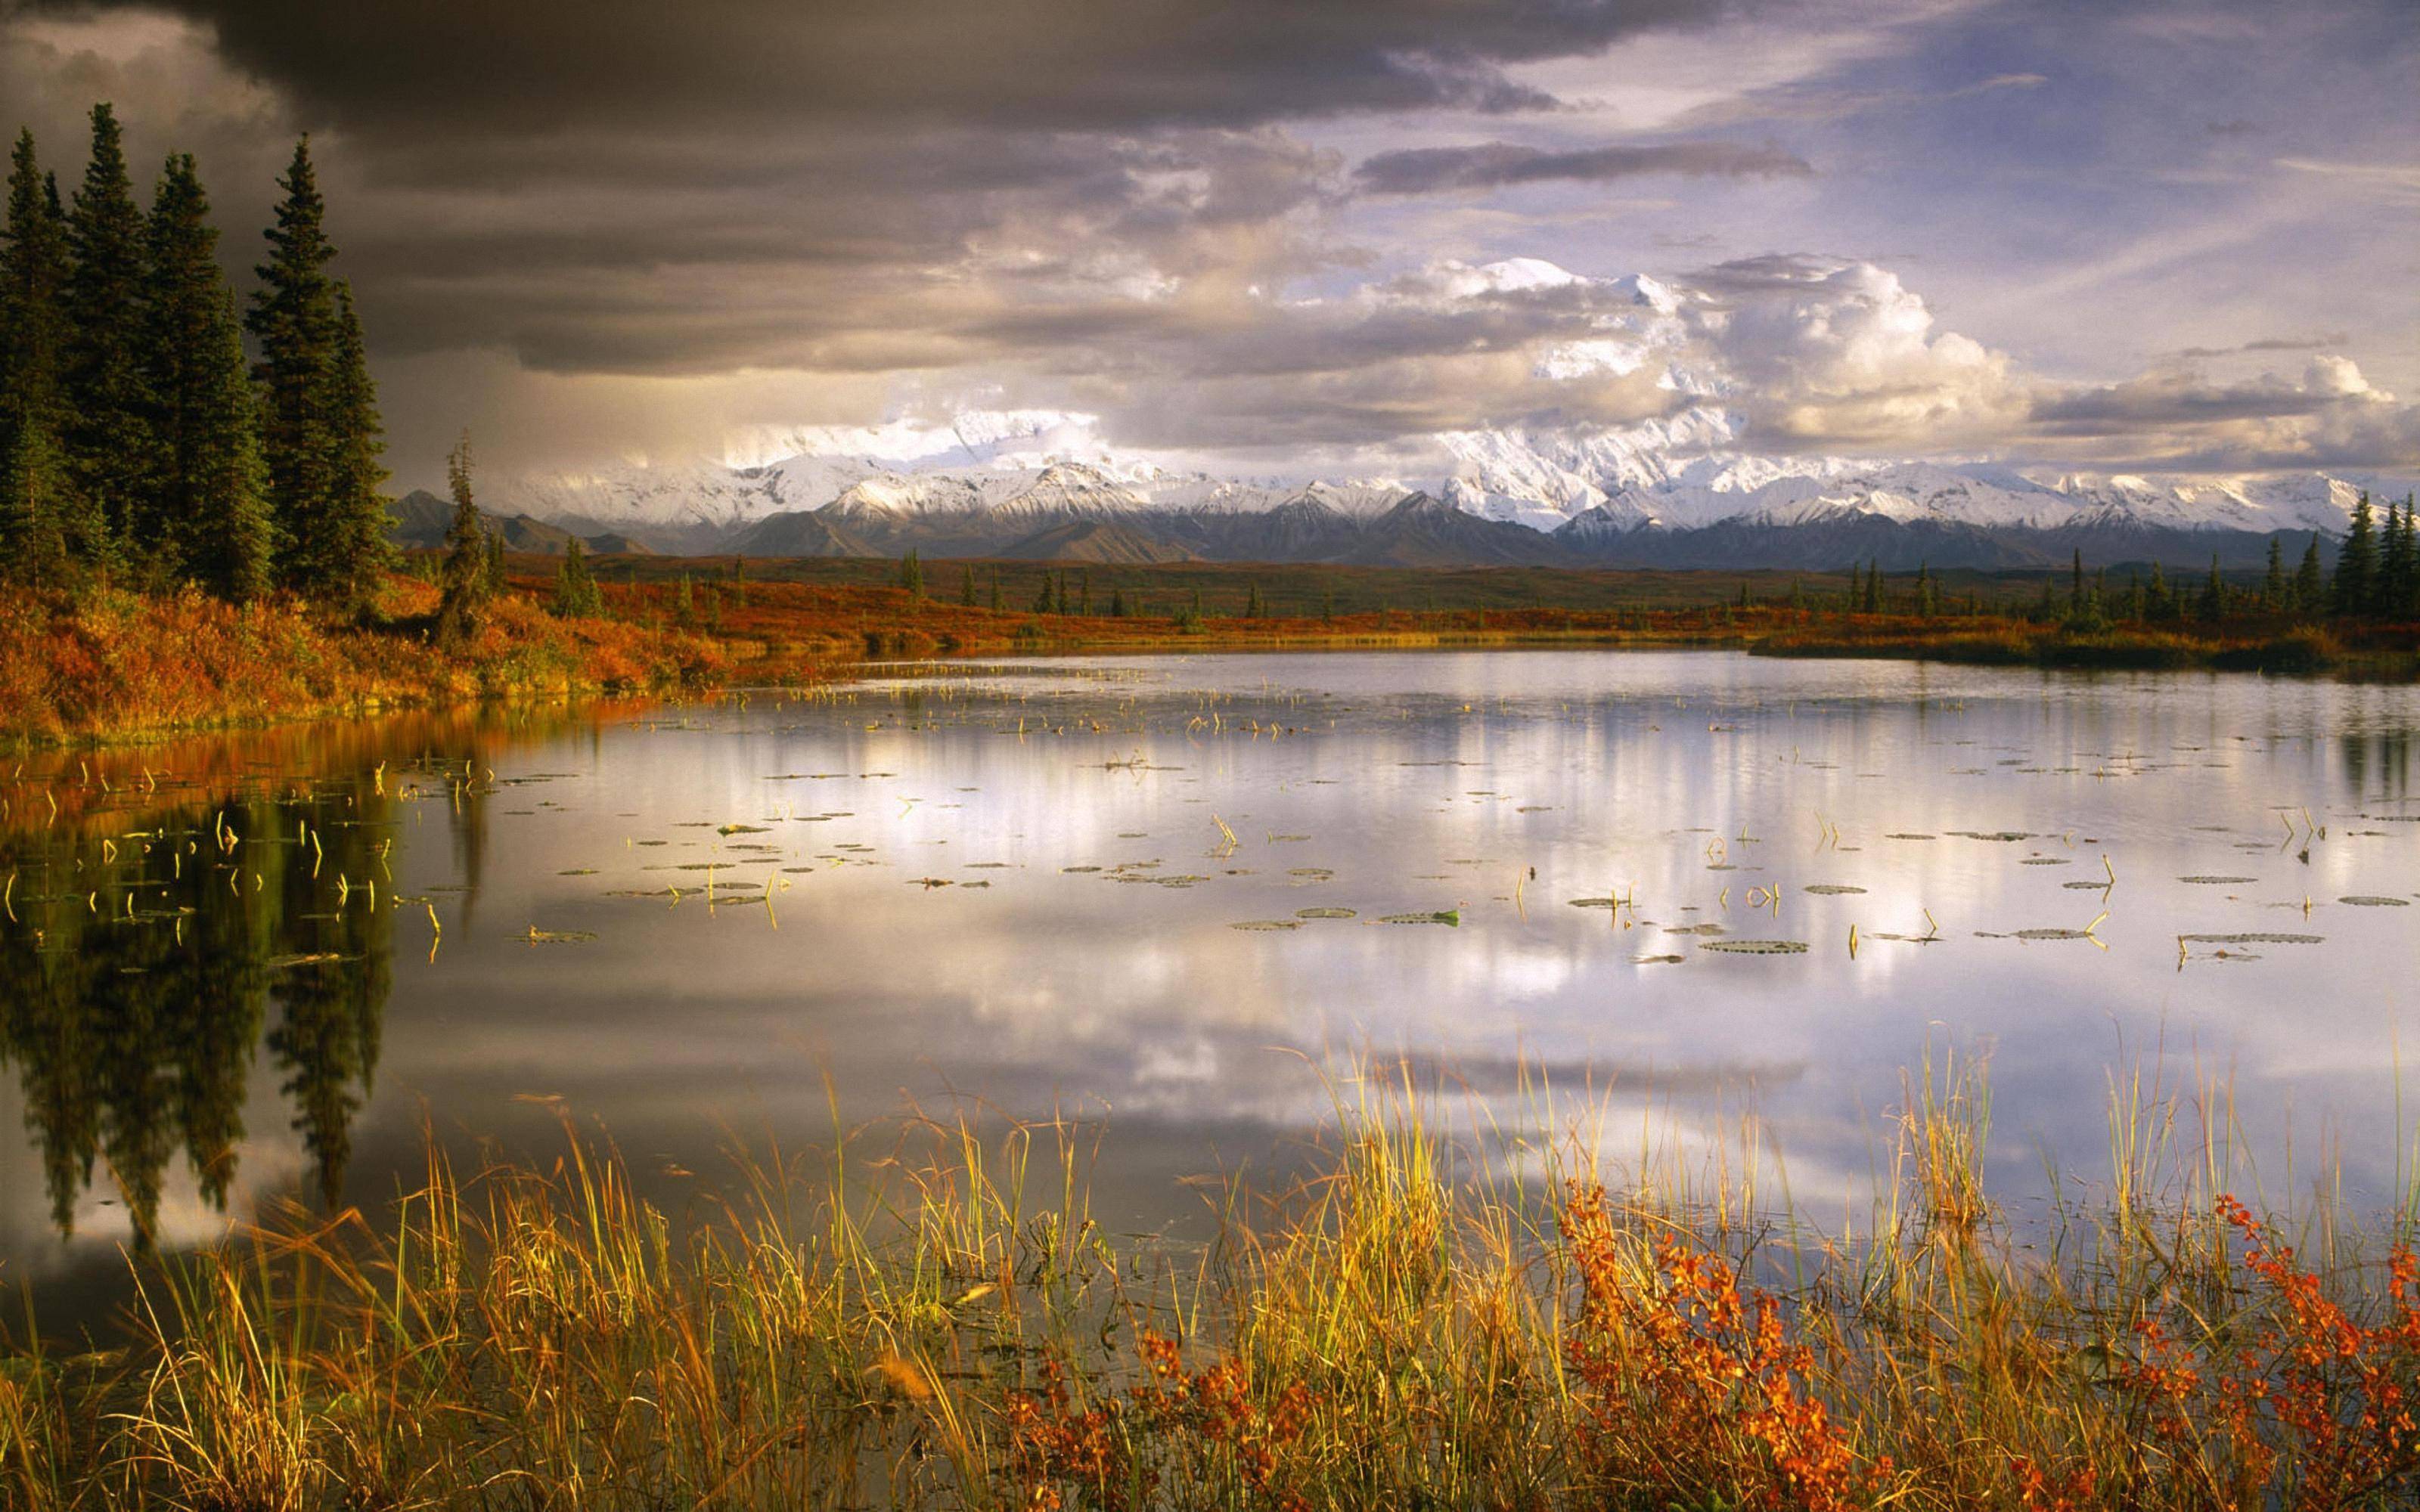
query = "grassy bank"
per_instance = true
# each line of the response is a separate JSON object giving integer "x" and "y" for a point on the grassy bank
{"x": 2273, "y": 647}
{"x": 117, "y": 666}
{"x": 934, "y": 1320}
{"x": 114, "y": 666}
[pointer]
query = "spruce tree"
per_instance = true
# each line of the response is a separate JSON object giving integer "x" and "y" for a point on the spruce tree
{"x": 203, "y": 511}
{"x": 2356, "y": 578}
{"x": 357, "y": 516}
{"x": 2310, "y": 580}
{"x": 576, "y": 593}
{"x": 2157, "y": 603}
{"x": 314, "y": 394}
{"x": 110, "y": 450}
{"x": 492, "y": 569}
{"x": 966, "y": 587}
{"x": 1042, "y": 603}
{"x": 2398, "y": 562}
{"x": 463, "y": 580}
{"x": 42, "y": 530}
{"x": 1253, "y": 602}
{"x": 911, "y": 574}
{"x": 995, "y": 593}
{"x": 2213, "y": 605}
{"x": 2273, "y": 587}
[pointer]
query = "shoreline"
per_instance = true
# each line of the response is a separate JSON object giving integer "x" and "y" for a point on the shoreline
{"x": 121, "y": 668}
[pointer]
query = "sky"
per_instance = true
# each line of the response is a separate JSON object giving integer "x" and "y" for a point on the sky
{"x": 2104, "y": 233}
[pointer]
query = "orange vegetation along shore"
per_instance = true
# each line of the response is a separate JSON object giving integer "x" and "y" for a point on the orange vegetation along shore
{"x": 121, "y": 666}
{"x": 118, "y": 666}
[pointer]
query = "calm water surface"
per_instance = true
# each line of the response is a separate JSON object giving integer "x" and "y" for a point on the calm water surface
{"x": 1156, "y": 892}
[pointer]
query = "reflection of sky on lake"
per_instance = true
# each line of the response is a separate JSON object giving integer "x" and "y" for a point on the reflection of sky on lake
{"x": 1417, "y": 784}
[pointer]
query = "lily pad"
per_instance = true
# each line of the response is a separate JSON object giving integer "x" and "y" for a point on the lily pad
{"x": 2369, "y": 900}
{"x": 1831, "y": 888}
{"x": 1268, "y": 924}
{"x": 1451, "y": 918}
{"x": 1757, "y": 947}
{"x": 2254, "y": 937}
{"x": 2216, "y": 881}
{"x": 1323, "y": 913}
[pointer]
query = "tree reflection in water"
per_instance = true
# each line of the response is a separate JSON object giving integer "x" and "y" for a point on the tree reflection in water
{"x": 152, "y": 934}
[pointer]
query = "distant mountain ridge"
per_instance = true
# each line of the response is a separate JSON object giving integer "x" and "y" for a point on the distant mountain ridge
{"x": 1671, "y": 493}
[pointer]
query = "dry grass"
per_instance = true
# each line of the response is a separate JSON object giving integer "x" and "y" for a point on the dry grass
{"x": 123, "y": 665}
{"x": 938, "y": 1323}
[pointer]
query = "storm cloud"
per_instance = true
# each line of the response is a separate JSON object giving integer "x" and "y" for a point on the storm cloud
{"x": 618, "y": 224}
{"x": 1495, "y": 164}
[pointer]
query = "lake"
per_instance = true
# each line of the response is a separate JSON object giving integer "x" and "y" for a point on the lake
{"x": 1176, "y": 898}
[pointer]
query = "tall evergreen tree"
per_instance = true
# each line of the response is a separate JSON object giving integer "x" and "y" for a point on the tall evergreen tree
{"x": 356, "y": 507}
{"x": 2310, "y": 580}
{"x": 2273, "y": 587}
{"x": 43, "y": 529}
{"x": 204, "y": 507}
{"x": 2356, "y": 579}
{"x": 462, "y": 583}
{"x": 2399, "y": 563}
{"x": 967, "y": 587}
{"x": 111, "y": 451}
{"x": 576, "y": 593}
{"x": 911, "y": 574}
{"x": 319, "y": 431}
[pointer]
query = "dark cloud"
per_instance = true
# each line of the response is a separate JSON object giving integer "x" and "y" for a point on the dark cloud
{"x": 1768, "y": 273}
{"x": 455, "y": 67}
{"x": 2180, "y": 398}
{"x": 1499, "y": 164}
{"x": 2272, "y": 344}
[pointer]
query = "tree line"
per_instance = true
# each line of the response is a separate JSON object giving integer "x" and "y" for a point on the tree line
{"x": 138, "y": 441}
{"x": 2376, "y": 577}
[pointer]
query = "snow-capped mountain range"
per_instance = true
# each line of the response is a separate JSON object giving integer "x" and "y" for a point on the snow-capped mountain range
{"x": 990, "y": 481}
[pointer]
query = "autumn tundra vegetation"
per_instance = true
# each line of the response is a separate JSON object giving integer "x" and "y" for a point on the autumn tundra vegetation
{"x": 929, "y": 1315}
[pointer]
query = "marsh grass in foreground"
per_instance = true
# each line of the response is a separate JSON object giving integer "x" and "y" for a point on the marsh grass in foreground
{"x": 939, "y": 1322}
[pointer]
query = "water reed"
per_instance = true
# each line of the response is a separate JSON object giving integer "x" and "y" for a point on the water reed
{"x": 1448, "y": 1312}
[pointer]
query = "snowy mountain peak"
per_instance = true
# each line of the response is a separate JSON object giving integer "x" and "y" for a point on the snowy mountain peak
{"x": 1683, "y": 470}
